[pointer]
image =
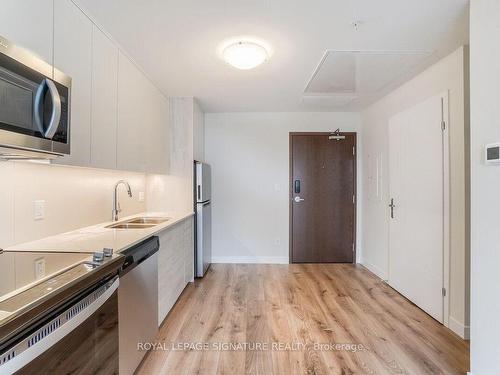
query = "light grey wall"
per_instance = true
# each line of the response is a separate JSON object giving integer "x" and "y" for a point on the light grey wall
{"x": 485, "y": 197}
{"x": 249, "y": 154}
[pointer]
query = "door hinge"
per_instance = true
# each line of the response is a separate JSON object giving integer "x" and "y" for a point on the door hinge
{"x": 353, "y": 248}
{"x": 354, "y": 150}
{"x": 353, "y": 199}
{"x": 444, "y": 292}
{"x": 443, "y": 123}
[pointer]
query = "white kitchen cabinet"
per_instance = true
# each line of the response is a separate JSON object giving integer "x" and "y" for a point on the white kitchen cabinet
{"x": 73, "y": 56}
{"x": 189, "y": 250}
{"x": 158, "y": 157}
{"x": 29, "y": 23}
{"x": 142, "y": 134}
{"x": 104, "y": 101}
{"x": 119, "y": 119}
{"x": 175, "y": 264}
{"x": 132, "y": 116}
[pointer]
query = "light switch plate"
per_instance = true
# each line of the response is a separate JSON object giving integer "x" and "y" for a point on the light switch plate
{"x": 141, "y": 196}
{"x": 39, "y": 268}
{"x": 39, "y": 210}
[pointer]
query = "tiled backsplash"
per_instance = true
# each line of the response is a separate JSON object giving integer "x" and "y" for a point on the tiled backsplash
{"x": 74, "y": 198}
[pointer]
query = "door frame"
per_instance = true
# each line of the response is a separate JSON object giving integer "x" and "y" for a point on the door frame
{"x": 290, "y": 189}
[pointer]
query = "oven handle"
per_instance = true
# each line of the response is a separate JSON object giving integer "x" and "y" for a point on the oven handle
{"x": 36, "y": 343}
{"x": 55, "y": 116}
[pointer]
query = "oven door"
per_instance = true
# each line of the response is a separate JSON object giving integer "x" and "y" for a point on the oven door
{"x": 81, "y": 338}
{"x": 34, "y": 107}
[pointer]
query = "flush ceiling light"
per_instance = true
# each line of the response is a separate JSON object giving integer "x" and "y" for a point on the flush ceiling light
{"x": 245, "y": 55}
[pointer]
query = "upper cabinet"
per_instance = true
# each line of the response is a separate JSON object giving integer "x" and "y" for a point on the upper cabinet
{"x": 119, "y": 119}
{"x": 142, "y": 137}
{"x": 198, "y": 132}
{"x": 104, "y": 101}
{"x": 133, "y": 116}
{"x": 158, "y": 137}
{"x": 73, "y": 56}
{"x": 29, "y": 23}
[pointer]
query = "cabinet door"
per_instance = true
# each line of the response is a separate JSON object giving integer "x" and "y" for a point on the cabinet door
{"x": 29, "y": 23}
{"x": 73, "y": 56}
{"x": 104, "y": 101}
{"x": 132, "y": 116}
{"x": 188, "y": 250}
{"x": 171, "y": 278}
{"x": 158, "y": 137}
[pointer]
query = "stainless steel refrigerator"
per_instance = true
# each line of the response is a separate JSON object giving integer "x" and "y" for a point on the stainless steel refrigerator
{"x": 203, "y": 210}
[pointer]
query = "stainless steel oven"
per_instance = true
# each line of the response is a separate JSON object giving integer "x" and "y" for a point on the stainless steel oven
{"x": 62, "y": 318}
{"x": 34, "y": 105}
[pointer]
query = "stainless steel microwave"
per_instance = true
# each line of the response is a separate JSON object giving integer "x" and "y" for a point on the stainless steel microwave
{"x": 34, "y": 106}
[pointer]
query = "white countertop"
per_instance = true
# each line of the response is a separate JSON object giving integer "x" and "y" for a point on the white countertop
{"x": 96, "y": 237}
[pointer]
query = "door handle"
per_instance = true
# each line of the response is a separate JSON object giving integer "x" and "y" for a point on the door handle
{"x": 298, "y": 199}
{"x": 392, "y": 206}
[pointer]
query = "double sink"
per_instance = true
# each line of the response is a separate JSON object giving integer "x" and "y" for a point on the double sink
{"x": 139, "y": 223}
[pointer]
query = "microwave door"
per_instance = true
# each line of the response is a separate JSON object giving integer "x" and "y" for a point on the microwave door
{"x": 35, "y": 104}
{"x": 18, "y": 104}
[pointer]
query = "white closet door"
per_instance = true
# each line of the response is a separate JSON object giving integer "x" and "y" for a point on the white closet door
{"x": 416, "y": 163}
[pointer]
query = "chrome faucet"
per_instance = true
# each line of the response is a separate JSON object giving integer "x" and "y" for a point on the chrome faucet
{"x": 116, "y": 204}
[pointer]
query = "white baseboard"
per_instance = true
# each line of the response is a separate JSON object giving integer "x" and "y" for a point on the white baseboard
{"x": 251, "y": 260}
{"x": 459, "y": 328}
{"x": 376, "y": 270}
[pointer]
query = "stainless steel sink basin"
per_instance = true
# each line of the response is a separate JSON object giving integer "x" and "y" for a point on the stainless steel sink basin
{"x": 142, "y": 222}
{"x": 130, "y": 226}
{"x": 148, "y": 220}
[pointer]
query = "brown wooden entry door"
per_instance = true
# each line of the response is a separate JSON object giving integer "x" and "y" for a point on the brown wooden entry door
{"x": 322, "y": 198}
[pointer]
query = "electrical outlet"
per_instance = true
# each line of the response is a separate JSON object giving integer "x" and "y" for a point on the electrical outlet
{"x": 39, "y": 210}
{"x": 39, "y": 268}
{"x": 141, "y": 196}
{"x": 277, "y": 241}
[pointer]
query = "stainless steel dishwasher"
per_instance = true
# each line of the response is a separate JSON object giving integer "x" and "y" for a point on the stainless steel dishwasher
{"x": 137, "y": 303}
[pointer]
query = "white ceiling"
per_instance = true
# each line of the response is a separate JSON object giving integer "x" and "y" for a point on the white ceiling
{"x": 359, "y": 77}
{"x": 176, "y": 43}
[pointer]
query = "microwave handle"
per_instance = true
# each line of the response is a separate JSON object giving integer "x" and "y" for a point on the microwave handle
{"x": 55, "y": 116}
{"x": 40, "y": 94}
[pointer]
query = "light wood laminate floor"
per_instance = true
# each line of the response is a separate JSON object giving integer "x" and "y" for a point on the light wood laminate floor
{"x": 301, "y": 305}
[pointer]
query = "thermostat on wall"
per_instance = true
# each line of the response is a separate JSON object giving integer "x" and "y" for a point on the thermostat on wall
{"x": 492, "y": 153}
